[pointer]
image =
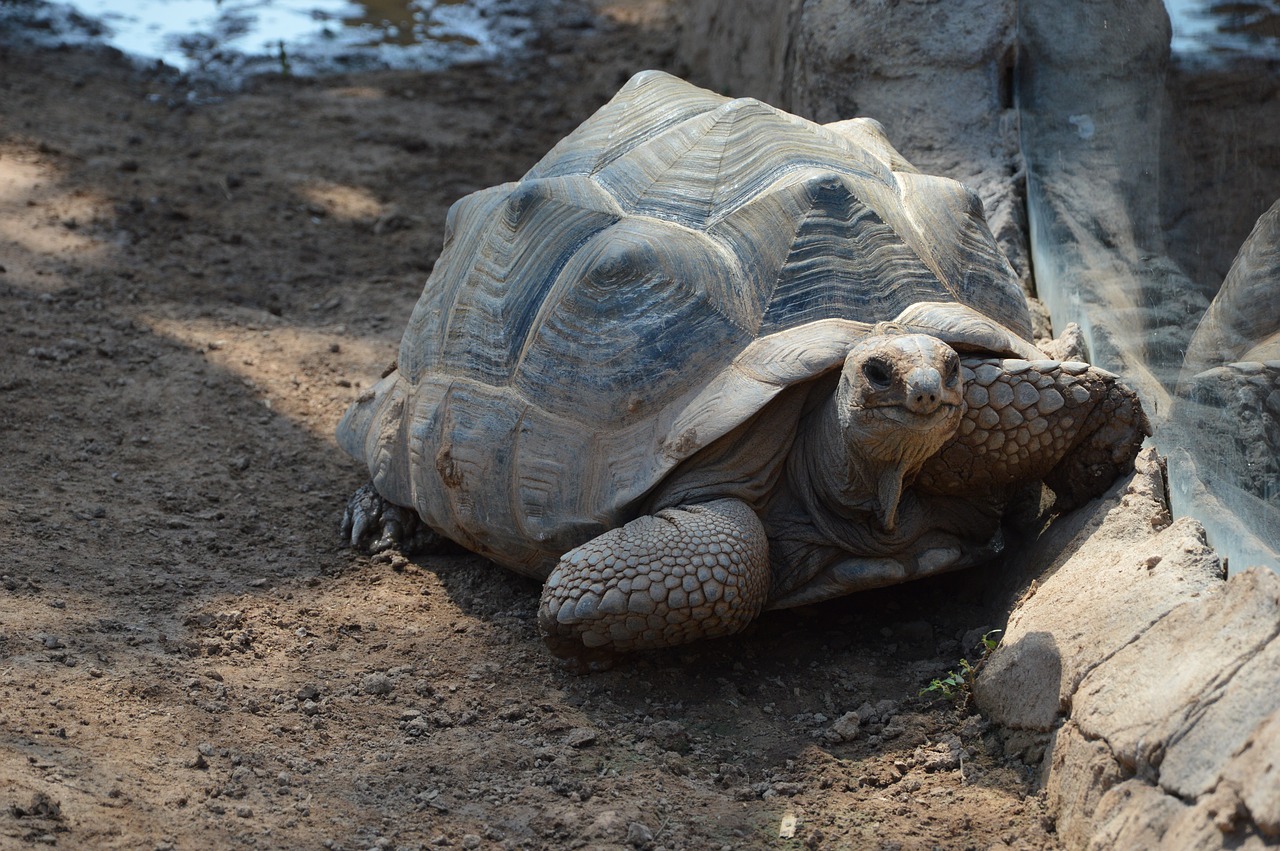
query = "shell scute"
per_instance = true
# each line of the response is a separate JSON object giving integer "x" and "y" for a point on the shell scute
{"x": 483, "y": 301}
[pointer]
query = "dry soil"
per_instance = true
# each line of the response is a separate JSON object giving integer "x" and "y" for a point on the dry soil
{"x": 194, "y": 284}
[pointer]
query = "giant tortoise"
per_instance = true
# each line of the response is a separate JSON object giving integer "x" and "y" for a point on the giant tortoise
{"x": 708, "y": 358}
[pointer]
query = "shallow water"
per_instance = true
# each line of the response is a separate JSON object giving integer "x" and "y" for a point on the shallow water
{"x": 233, "y": 37}
{"x": 1212, "y": 30}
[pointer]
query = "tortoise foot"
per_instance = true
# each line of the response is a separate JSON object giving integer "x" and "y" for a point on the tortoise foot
{"x": 680, "y": 575}
{"x": 370, "y": 524}
{"x": 1074, "y": 426}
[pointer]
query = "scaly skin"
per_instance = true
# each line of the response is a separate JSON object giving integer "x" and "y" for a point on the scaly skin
{"x": 660, "y": 580}
{"x": 1073, "y": 425}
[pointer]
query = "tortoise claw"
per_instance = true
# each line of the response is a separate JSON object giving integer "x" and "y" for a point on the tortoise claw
{"x": 371, "y": 525}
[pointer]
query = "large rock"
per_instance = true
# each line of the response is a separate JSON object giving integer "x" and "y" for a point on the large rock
{"x": 1156, "y": 679}
{"x": 1175, "y": 704}
{"x": 1107, "y": 574}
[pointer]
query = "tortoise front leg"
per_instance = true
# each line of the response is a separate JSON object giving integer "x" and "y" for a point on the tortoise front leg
{"x": 1074, "y": 426}
{"x": 679, "y": 575}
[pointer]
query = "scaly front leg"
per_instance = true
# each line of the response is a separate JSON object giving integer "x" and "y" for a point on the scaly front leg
{"x": 680, "y": 575}
{"x": 1070, "y": 424}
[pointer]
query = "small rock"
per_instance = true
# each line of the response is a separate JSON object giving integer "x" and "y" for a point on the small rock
{"x": 42, "y": 806}
{"x": 971, "y": 641}
{"x": 846, "y": 726}
{"x": 309, "y": 691}
{"x": 946, "y": 755}
{"x": 731, "y": 774}
{"x": 670, "y": 736}
{"x": 608, "y": 826}
{"x": 580, "y": 737}
{"x": 376, "y": 683}
{"x": 244, "y": 812}
{"x": 638, "y": 835}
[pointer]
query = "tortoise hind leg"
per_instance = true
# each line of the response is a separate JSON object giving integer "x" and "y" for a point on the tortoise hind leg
{"x": 679, "y": 575}
{"x": 371, "y": 524}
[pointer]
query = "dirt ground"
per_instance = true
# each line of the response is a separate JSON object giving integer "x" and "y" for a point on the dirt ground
{"x": 194, "y": 284}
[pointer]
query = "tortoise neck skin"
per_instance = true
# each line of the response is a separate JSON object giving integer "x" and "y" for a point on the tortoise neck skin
{"x": 898, "y": 400}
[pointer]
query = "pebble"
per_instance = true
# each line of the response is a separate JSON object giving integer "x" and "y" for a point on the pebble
{"x": 638, "y": 834}
{"x": 670, "y": 736}
{"x": 846, "y": 727}
{"x": 376, "y": 683}
{"x": 580, "y": 737}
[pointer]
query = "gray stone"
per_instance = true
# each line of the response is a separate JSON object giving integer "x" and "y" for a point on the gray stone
{"x": 1110, "y": 571}
{"x": 376, "y": 683}
{"x": 1078, "y": 773}
{"x": 845, "y": 728}
{"x": 638, "y": 835}
{"x": 1141, "y": 700}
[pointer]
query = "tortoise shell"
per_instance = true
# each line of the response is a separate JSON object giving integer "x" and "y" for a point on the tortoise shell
{"x": 653, "y": 282}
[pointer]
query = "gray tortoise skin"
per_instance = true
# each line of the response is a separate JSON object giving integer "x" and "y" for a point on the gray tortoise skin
{"x": 708, "y": 358}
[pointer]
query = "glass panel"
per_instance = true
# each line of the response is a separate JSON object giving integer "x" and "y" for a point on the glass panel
{"x": 1147, "y": 170}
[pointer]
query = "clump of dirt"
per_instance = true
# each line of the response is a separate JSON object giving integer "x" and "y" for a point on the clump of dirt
{"x": 194, "y": 285}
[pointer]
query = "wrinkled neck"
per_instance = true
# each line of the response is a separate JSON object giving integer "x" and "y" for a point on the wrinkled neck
{"x": 822, "y": 472}
{"x": 855, "y": 460}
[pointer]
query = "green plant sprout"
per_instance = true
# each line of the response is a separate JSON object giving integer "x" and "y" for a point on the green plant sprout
{"x": 957, "y": 686}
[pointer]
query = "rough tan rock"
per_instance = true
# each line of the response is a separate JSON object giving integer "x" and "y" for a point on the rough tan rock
{"x": 1110, "y": 572}
{"x": 1159, "y": 677}
{"x": 1131, "y": 814}
{"x": 1226, "y": 716}
{"x": 1256, "y": 770}
{"x": 1155, "y": 701}
{"x": 1077, "y": 774}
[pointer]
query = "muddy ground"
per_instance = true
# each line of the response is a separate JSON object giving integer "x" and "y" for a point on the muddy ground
{"x": 194, "y": 285}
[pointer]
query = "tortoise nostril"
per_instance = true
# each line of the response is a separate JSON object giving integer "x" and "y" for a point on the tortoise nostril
{"x": 924, "y": 402}
{"x": 924, "y": 390}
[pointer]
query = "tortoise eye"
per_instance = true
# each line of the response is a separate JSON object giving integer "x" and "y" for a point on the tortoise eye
{"x": 953, "y": 370}
{"x": 877, "y": 372}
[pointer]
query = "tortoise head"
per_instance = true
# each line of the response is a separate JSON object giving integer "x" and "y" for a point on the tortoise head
{"x": 900, "y": 398}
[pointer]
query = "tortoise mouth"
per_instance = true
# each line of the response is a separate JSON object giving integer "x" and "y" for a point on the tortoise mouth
{"x": 945, "y": 413}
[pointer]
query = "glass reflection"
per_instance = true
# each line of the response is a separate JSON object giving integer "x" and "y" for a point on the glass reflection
{"x": 1147, "y": 170}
